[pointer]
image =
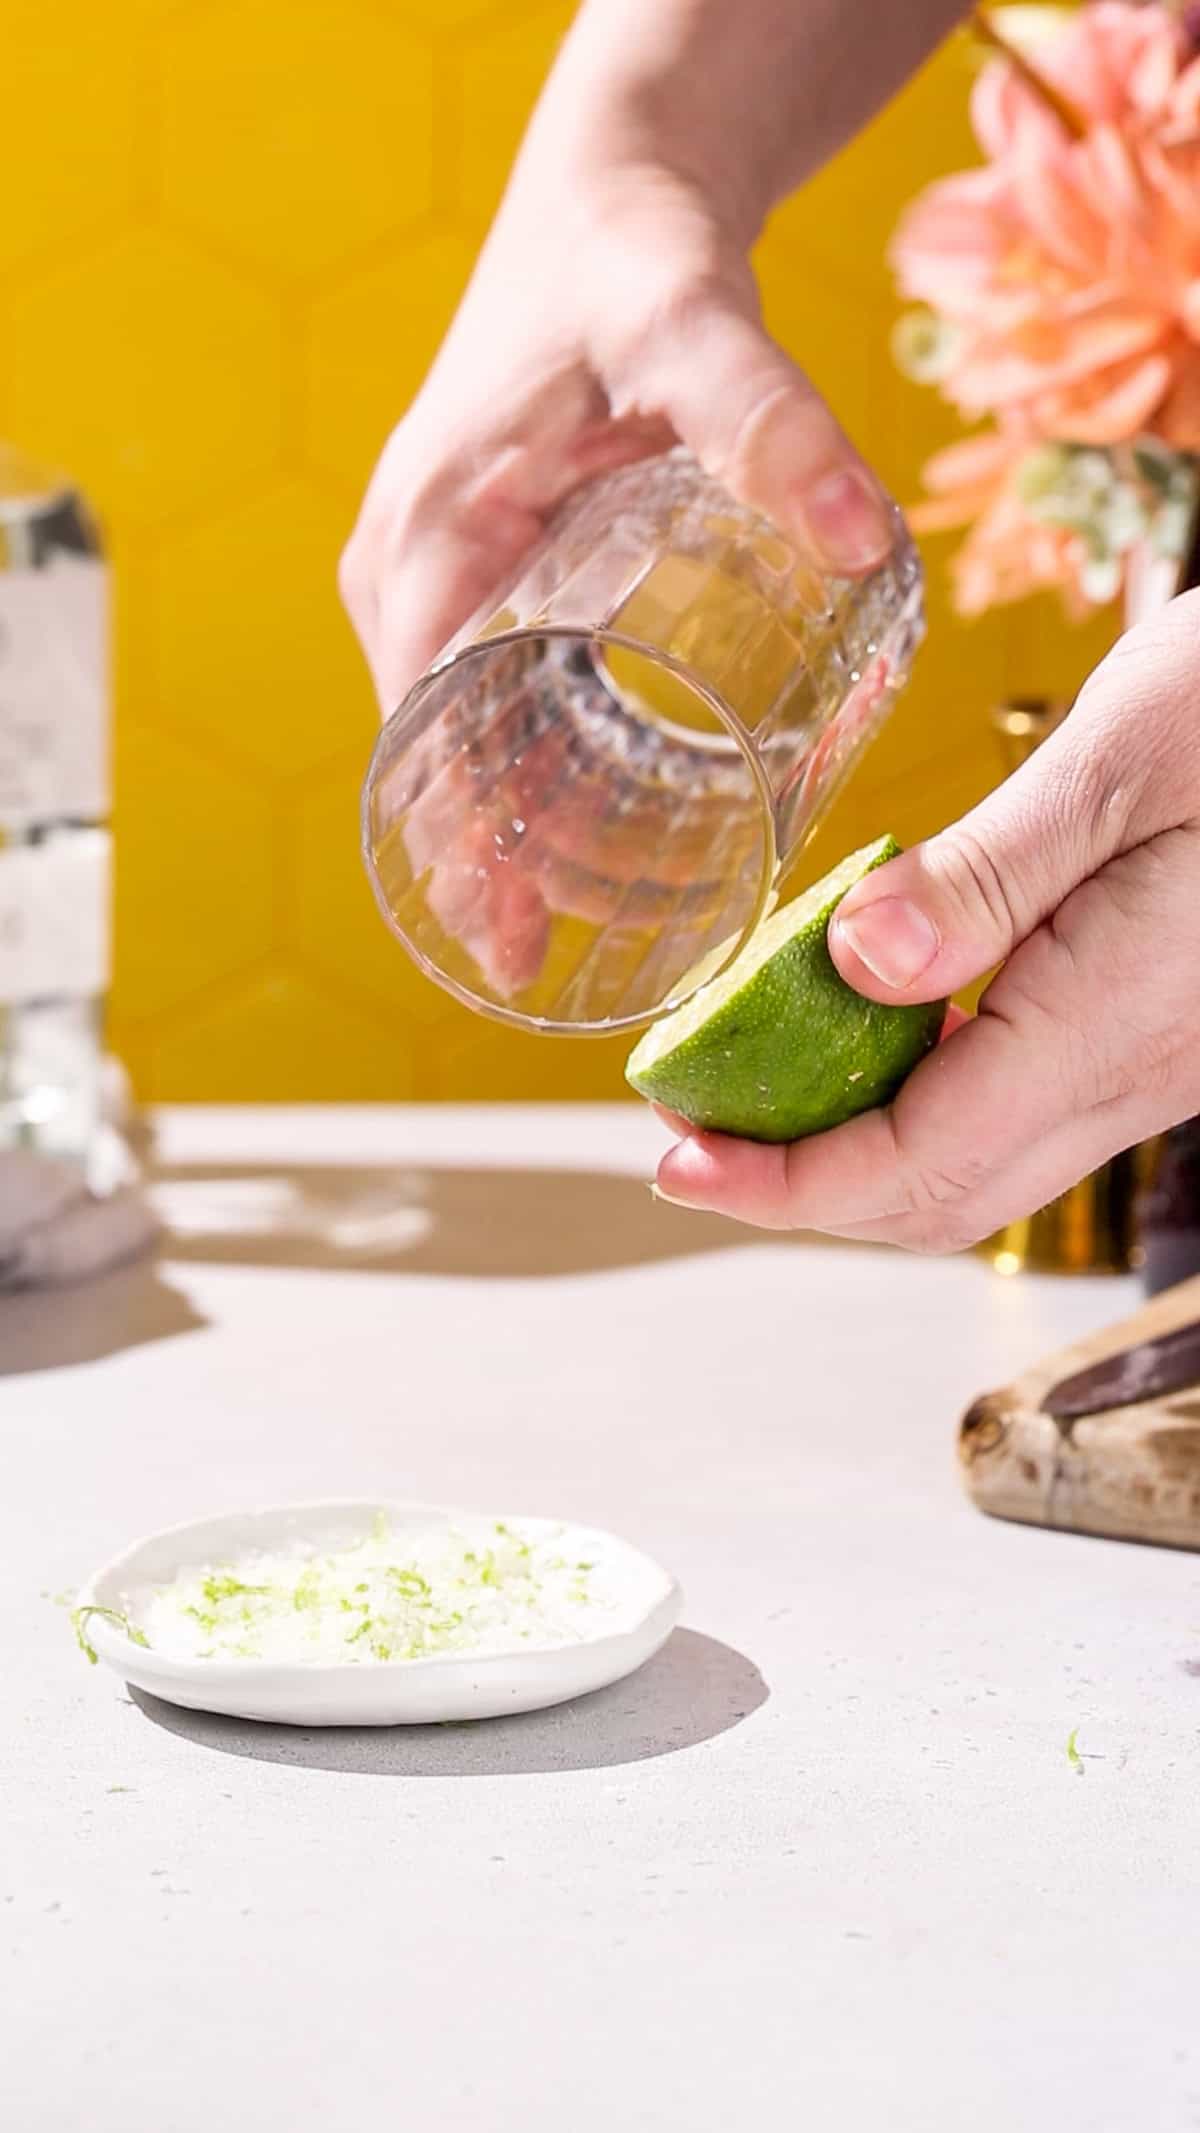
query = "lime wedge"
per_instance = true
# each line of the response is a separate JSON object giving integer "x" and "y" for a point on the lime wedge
{"x": 778, "y": 1046}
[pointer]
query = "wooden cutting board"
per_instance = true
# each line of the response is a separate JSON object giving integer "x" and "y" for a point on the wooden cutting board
{"x": 1132, "y": 1474}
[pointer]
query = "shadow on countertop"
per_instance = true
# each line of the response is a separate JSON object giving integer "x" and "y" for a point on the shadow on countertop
{"x": 692, "y": 1691}
{"x": 478, "y": 1223}
{"x": 53, "y": 1329}
{"x": 459, "y": 1222}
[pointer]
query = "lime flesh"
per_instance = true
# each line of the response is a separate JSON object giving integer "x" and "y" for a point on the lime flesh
{"x": 779, "y": 1046}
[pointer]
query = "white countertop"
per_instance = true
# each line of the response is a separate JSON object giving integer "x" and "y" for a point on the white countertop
{"x": 823, "y": 1864}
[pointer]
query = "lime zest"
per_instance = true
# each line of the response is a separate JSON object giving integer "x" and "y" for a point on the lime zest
{"x": 81, "y": 1616}
{"x": 216, "y": 1589}
{"x": 409, "y": 1582}
{"x": 1073, "y": 1756}
{"x": 418, "y": 1593}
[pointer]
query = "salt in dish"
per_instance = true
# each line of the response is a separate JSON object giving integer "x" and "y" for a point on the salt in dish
{"x": 375, "y": 1614}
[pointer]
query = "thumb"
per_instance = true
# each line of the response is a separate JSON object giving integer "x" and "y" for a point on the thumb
{"x": 757, "y": 425}
{"x": 946, "y": 913}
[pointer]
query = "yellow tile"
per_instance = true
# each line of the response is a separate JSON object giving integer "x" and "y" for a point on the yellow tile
{"x": 806, "y": 308}
{"x": 451, "y": 15}
{"x": 150, "y": 373}
{"x": 193, "y": 875}
{"x": 298, "y": 134}
{"x": 253, "y": 647}
{"x": 1047, "y": 657}
{"x": 70, "y": 93}
{"x": 485, "y": 1062}
{"x": 333, "y": 924}
{"x": 277, "y": 1037}
{"x": 502, "y": 73}
{"x": 370, "y": 341}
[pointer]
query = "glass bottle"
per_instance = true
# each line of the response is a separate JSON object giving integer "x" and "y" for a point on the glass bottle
{"x": 54, "y": 802}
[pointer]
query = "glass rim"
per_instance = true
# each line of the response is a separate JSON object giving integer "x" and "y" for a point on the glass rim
{"x": 477, "y": 648}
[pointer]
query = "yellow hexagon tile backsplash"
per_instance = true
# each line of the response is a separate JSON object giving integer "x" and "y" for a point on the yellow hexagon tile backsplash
{"x": 261, "y": 677}
{"x": 195, "y": 885}
{"x": 71, "y": 111}
{"x": 369, "y": 340}
{"x": 153, "y": 373}
{"x": 296, "y": 135}
{"x": 237, "y": 232}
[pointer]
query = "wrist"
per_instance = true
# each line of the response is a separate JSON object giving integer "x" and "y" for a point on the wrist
{"x": 666, "y": 90}
{"x": 742, "y": 103}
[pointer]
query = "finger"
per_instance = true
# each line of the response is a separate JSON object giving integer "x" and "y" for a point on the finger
{"x": 1051, "y": 1167}
{"x": 953, "y": 908}
{"x": 758, "y": 426}
{"x": 454, "y": 506}
{"x": 445, "y": 572}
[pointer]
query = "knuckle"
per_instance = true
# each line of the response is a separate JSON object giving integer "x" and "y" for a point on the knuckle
{"x": 933, "y": 1194}
{"x": 1140, "y": 1062}
{"x": 708, "y": 283}
{"x": 1135, "y": 720}
{"x": 1043, "y": 997}
{"x": 936, "y": 1237}
{"x": 674, "y": 311}
{"x": 1098, "y": 801}
{"x": 976, "y": 883}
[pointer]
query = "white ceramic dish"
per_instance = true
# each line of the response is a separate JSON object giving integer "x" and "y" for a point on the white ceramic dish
{"x": 377, "y": 1693}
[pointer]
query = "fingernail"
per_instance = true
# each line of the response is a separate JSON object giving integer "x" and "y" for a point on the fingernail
{"x": 893, "y": 938}
{"x": 848, "y": 520}
{"x": 668, "y": 1199}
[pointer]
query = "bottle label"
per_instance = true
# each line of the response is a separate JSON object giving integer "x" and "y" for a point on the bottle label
{"x": 54, "y": 692}
{"x": 54, "y": 917}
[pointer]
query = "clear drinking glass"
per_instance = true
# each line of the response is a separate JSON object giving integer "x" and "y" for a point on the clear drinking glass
{"x": 583, "y": 808}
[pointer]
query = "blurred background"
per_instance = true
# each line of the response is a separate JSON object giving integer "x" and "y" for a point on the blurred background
{"x": 232, "y": 239}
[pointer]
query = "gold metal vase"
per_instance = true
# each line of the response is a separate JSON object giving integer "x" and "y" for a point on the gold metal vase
{"x": 1092, "y": 1229}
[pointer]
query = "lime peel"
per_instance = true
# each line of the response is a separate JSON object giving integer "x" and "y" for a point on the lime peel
{"x": 778, "y": 1046}
{"x": 81, "y": 1616}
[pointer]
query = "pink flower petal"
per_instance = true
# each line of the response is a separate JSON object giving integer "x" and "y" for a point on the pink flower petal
{"x": 973, "y": 461}
{"x": 1110, "y": 407}
{"x": 1005, "y": 113}
{"x": 1070, "y": 228}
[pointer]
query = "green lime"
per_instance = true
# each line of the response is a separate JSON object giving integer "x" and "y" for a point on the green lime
{"x": 778, "y": 1045}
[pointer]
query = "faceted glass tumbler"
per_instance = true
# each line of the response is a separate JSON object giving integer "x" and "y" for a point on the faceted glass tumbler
{"x": 580, "y": 812}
